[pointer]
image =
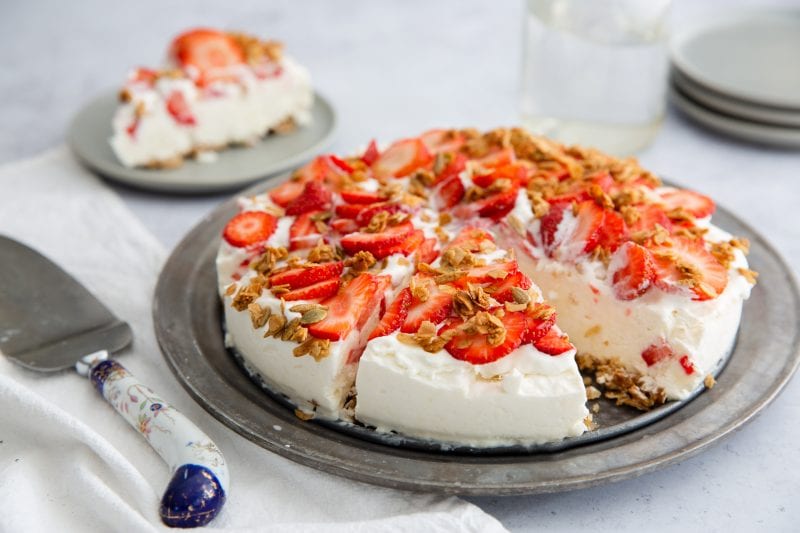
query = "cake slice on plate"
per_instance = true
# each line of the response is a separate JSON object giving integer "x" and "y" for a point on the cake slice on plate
{"x": 217, "y": 89}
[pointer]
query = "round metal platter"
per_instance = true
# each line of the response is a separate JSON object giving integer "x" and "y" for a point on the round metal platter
{"x": 188, "y": 324}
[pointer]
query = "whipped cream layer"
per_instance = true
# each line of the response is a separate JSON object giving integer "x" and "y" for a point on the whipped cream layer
{"x": 224, "y": 113}
{"x": 605, "y": 327}
{"x": 526, "y": 397}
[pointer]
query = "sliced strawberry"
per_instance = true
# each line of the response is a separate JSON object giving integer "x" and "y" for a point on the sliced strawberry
{"x": 371, "y": 154}
{"x": 343, "y": 226}
{"x": 514, "y": 173}
{"x": 497, "y": 205}
{"x": 348, "y": 210}
{"x": 394, "y": 316}
{"x": 438, "y": 140}
{"x": 401, "y": 158}
{"x": 323, "y": 289}
{"x": 502, "y": 290}
{"x": 613, "y": 231}
{"x": 633, "y": 271}
{"x": 364, "y": 216}
{"x": 341, "y": 164}
{"x": 379, "y": 244}
{"x": 699, "y": 205}
{"x": 249, "y": 227}
{"x": 553, "y": 343}
{"x": 284, "y": 193}
{"x": 656, "y": 352}
{"x": 589, "y": 223}
{"x": 475, "y": 348}
{"x": 489, "y": 273}
{"x": 427, "y": 252}
{"x": 303, "y": 232}
{"x": 687, "y": 365}
{"x": 683, "y": 263}
{"x": 648, "y": 216}
{"x": 354, "y": 196}
{"x": 178, "y": 107}
{"x": 549, "y": 224}
{"x": 410, "y": 244}
{"x": 456, "y": 165}
{"x": 206, "y": 50}
{"x": 315, "y": 197}
{"x": 498, "y": 158}
{"x": 537, "y": 326}
{"x": 309, "y": 275}
{"x": 450, "y": 192}
{"x": 471, "y": 239}
{"x": 434, "y": 309}
{"x": 348, "y": 308}
{"x": 144, "y": 75}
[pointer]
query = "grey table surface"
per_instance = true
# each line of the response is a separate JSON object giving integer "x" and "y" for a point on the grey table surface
{"x": 395, "y": 68}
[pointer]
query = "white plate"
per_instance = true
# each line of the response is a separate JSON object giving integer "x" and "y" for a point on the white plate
{"x": 234, "y": 168}
{"x": 740, "y": 129}
{"x": 731, "y": 106}
{"x": 754, "y": 56}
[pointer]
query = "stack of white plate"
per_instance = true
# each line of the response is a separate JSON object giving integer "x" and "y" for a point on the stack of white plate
{"x": 741, "y": 77}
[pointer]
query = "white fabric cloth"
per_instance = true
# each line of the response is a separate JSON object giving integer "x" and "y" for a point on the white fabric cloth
{"x": 68, "y": 462}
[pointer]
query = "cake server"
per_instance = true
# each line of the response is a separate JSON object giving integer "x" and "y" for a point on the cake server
{"x": 50, "y": 322}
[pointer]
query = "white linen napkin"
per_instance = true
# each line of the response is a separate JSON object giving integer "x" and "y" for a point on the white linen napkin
{"x": 68, "y": 462}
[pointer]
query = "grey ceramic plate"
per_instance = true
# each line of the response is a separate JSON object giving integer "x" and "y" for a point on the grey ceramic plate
{"x": 718, "y": 102}
{"x": 748, "y": 55}
{"x": 236, "y": 167}
{"x": 188, "y": 326}
{"x": 780, "y": 136}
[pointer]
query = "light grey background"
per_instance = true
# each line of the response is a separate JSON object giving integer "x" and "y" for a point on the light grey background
{"x": 394, "y": 69}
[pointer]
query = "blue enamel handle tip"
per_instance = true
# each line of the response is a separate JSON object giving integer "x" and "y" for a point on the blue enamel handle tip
{"x": 193, "y": 497}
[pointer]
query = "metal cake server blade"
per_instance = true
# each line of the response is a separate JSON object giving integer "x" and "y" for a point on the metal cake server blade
{"x": 50, "y": 322}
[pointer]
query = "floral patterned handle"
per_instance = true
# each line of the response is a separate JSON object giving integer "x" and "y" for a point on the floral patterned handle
{"x": 199, "y": 483}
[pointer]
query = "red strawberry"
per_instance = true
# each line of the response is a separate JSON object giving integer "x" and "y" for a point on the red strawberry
{"x": 633, "y": 271}
{"x": 501, "y": 290}
{"x": 548, "y": 227}
{"x": 499, "y": 204}
{"x": 411, "y": 244}
{"x": 379, "y": 244}
{"x": 613, "y": 231}
{"x": 438, "y": 140}
{"x": 305, "y": 276}
{"x": 457, "y": 164}
{"x": 489, "y": 273}
{"x": 323, "y": 289}
{"x": 435, "y": 309}
{"x": 699, "y": 205}
{"x": 709, "y": 277}
{"x": 475, "y": 348}
{"x": 470, "y": 238}
{"x": 513, "y": 173}
{"x": 144, "y": 75}
{"x": 341, "y": 164}
{"x": 351, "y": 306}
{"x": 688, "y": 366}
{"x": 427, "y": 252}
{"x": 499, "y": 158}
{"x": 649, "y": 216}
{"x": 284, "y": 193}
{"x": 303, "y": 232}
{"x": 364, "y": 216}
{"x": 589, "y": 224}
{"x": 371, "y": 154}
{"x": 394, "y": 316}
{"x": 206, "y": 50}
{"x": 314, "y": 197}
{"x": 553, "y": 343}
{"x": 355, "y": 196}
{"x": 451, "y": 192}
{"x": 249, "y": 227}
{"x": 656, "y": 352}
{"x": 537, "y": 327}
{"x": 343, "y": 226}
{"x": 178, "y": 107}
{"x": 349, "y": 210}
{"x": 401, "y": 158}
